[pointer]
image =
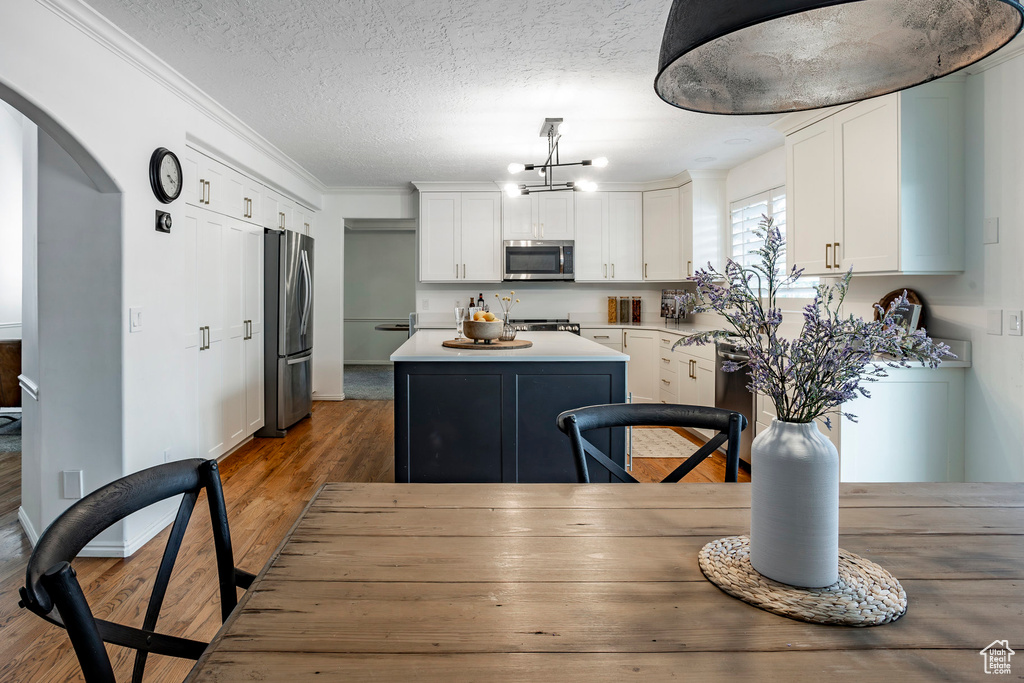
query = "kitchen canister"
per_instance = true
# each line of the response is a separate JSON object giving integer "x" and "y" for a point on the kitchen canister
{"x": 624, "y": 310}
{"x": 613, "y": 310}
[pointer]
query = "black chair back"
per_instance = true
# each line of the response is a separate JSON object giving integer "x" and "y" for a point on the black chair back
{"x": 727, "y": 423}
{"x": 50, "y": 581}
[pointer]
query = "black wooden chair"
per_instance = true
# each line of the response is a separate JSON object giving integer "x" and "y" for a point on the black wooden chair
{"x": 727, "y": 423}
{"x": 50, "y": 581}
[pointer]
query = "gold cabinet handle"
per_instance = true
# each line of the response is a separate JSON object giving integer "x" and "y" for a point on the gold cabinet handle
{"x": 613, "y": 271}
{"x": 645, "y": 270}
{"x": 835, "y": 254}
{"x": 463, "y": 271}
{"x": 665, "y": 360}
{"x": 689, "y": 268}
{"x": 665, "y": 381}
{"x": 828, "y": 260}
{"x": 606, "y": 270}
{"x": 625, "y": 339}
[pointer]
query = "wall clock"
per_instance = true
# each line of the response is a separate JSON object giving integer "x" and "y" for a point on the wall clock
{"x": 165, "y": 175}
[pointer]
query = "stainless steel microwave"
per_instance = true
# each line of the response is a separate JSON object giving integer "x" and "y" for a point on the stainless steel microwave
{"x": 539, "y": 260}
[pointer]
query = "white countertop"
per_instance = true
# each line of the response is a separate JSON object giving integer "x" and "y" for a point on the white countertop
{"x": 425, "y": 345}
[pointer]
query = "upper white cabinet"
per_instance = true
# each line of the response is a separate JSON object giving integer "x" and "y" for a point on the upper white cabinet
{"x": 460, "y": 236}
{"x": 609, "y": 237}
{"x": 684, "y": 227}
{"x": 212, "y": 185}
{"x": 539, "y": 216}
{"x": 663, "y": 236}
{"x": 879, "y": 186}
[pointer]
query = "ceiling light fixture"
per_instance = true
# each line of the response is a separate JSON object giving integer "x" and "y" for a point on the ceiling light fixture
{"x": 552, "y": 130}
{"x": 774, "y": 56}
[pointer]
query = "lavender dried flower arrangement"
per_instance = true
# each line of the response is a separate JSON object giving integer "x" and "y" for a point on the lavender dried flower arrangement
{"x": 824, "y": 367}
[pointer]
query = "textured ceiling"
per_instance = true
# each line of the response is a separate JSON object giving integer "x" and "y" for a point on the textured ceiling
{"x": 381, "y": 93}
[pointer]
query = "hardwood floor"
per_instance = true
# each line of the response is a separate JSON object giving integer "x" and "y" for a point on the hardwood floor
{"x": 267, "y": 483}
{"x": 711, "y": 470}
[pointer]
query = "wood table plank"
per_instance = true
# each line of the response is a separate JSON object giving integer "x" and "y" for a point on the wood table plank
{"x": 906, "y": 666}
{"x": 311, "y": 557}
{"x": 315, "y": 616}
{"x": 634, "y": 496}
{"x": 704, "y": 522}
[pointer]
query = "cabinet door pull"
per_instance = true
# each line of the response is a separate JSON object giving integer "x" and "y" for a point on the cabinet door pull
{"x": 202, "y": 338}
{"x": 645, "y": 270}
{"x": 601, "y": 336}
{"x": 606, "y": 270}
{"x": 828, "y": 260}
{"x": 665, "y": 381}
{"x": 665, "y": 360}
{"x": 625, "y": 339}
{"x": 209, "y": 192}
{"x": 693, "y": 374}
{"x": 456, "y": 271}
{"x": 613, "y": 270}
{"x": 835, "y": 254}
{"x": 463, "y": 271}
{"x": 689, "y": 268}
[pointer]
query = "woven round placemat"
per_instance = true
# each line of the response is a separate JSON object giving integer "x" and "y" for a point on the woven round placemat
{"x": 864, "y": 595}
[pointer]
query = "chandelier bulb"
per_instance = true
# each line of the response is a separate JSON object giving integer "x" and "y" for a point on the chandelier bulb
{"x": 512, "y": 190}
{"x": 516, "y": 168}
{"x": 540, "y": 172}
{"x": 586, "y": 186}
{"x": 600, "y": 162}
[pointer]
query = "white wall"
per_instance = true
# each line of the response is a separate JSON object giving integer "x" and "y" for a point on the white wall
{"x": 380, "y": 286}
{"x": 111, "y": 103}
{"x": 761, "y": 173}
{"x": 329, "y": 305}
{"x": 10, "y": 222}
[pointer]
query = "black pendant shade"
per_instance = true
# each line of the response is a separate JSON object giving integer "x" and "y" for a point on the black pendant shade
{"x": 771, "y": 56}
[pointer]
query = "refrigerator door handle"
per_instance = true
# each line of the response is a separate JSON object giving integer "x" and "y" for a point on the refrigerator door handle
{"x": 307, "y": 294}
{"x": 303, "y": 359}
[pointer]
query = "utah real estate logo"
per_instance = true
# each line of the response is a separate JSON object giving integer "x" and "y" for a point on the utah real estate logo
{"x": 997, "y": 657}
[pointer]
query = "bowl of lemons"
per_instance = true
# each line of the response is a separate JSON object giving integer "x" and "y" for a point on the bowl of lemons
{"x": 484, "y": 327}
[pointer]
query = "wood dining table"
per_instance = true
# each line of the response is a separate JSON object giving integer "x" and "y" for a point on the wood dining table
{"x": 600, "y": 582}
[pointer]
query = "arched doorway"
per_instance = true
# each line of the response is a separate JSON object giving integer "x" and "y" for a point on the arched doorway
{"x": 71, "y": 369}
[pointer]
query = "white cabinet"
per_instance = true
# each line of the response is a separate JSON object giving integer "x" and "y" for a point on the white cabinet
{"x": 926, "y": 443}
{"x": 539, "y": 216}
{"x": 609, "y": 237}
{"x": 278, "y": 212}
{"x": 252, "y": 344}
{"x": 879, "y": 186}
{"x": 642, "y": 368}
{"x": 662, "y": 229}
{"x": 460, "y": 237}
{"x": 695, "y": 369}
{"x": 704, "y": 214}
{"x": 607, "y": 336}
{"x": 221, "y": 268}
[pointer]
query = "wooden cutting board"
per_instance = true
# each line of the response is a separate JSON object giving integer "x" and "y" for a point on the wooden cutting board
{"x": 496, "y": 344}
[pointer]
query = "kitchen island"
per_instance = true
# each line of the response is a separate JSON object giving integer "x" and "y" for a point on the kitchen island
{"x": 489, "y": 415}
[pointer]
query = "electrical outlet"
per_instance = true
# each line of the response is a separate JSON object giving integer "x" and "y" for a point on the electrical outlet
{"x": 994, "y": 322}
{"x": 991, "y": 231}
{"x": 135, "y": 319}
{"x": 73, "y": 484}
{"x": 1013, "y": 323}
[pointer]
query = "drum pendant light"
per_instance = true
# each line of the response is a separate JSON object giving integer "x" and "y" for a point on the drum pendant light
{"x": 772, "y": 56}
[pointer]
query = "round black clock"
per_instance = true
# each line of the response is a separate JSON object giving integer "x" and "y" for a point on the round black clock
{"x": 165, "y": 175}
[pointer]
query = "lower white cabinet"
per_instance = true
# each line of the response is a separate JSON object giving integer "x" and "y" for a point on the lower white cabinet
{"x": 910, "y": 430}
{"x": 696, "y": 373}
{"x": 642, "y": 368}
{"x": 221, "y": 266}
{"x": 608, "y": 336}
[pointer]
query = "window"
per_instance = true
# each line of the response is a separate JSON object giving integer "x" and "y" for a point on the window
{"x": 746, "y": 215}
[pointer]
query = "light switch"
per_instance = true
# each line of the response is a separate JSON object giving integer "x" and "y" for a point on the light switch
{"x": 72, "y": 480}
{"x": 994, "y": 322}
{"x": 991, "y": 231}
{"x": 135, "y": 319}
{"x": 1013, "y": 323}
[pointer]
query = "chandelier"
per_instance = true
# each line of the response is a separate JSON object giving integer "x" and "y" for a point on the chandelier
{"x": 773, "y": 56}
{"x": 550, "y": 130}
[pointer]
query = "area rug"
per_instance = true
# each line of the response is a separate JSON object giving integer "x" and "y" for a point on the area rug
{"x": 10, "y": 436}
{"x": 660, "y": 442}
{"x": 370, "y": 382}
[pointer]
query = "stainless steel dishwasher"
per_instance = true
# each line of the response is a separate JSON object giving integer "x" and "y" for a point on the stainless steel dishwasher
{"x": 731, "y": 390}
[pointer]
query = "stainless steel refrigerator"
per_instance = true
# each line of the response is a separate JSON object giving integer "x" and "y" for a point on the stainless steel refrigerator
{"x": 288, "y": 302}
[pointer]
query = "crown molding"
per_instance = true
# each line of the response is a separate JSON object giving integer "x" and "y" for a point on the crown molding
{"x": 347, "y": 189}
{"x": 100, "y": 29}
{"x": 447, "y": 186}
{"x": 1012, "y": 50}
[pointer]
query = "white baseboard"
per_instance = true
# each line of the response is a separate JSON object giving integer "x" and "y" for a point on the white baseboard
{"x": 26, "y": 524}
{"x": 368, "y": 362}
{"x": 328, "y": 397}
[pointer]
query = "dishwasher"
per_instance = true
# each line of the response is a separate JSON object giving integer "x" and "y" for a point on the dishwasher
{"x": 731, "y": 391}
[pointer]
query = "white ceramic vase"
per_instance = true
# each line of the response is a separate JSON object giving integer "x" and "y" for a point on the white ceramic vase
{"x": 794, "y": 508}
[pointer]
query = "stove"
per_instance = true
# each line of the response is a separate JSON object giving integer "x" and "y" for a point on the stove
{"x": 544, "y": 325}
